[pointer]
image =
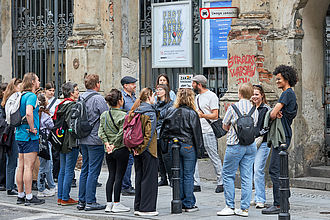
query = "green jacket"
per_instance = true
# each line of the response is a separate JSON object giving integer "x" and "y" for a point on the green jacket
{"x": 108, "y": 132}
{"x": 276, "y": 135}
{"x": 69, "y": 140}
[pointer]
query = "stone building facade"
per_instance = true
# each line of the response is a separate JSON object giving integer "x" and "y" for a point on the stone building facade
{"x": 105, "y": 40}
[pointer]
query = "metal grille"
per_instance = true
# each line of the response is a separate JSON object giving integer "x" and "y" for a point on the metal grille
{"x": 40, "y": 31}
{"x": 217, "y": 76}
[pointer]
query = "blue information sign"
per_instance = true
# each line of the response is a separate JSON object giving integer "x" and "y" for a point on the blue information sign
{"x": 219, "y": 29}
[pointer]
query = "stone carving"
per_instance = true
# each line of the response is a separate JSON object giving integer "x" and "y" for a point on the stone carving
{"x": 129, "y": 67}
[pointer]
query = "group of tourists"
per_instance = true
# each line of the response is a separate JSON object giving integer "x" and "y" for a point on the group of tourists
{"x": 126, "y": 130}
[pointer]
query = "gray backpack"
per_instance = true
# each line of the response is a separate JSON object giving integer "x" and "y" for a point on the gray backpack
{"x": 245, "y": 126}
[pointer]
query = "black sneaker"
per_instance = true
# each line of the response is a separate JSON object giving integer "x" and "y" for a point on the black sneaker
{"x": 192, "y": 209}
{"x": 34, "y": 201}
{"x": 12, "y": 192}
{"x": 81, "y": 205}
{"x": 128, "y": 192}
{"x": 219, "y": 189}
{"x": 2, "y": 188}
{"x": 273, "y": 210}
{"x": 94, "y": 206}
{"x": 20, "y": 200}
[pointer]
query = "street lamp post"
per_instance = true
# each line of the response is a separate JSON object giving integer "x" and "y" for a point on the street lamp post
{"x": 176, "y": 204}
{"x": 284, "y": 184}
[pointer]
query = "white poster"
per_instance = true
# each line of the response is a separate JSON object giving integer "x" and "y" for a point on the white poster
{"x": 171, "y": 34}
{"x": 185, "y": 81}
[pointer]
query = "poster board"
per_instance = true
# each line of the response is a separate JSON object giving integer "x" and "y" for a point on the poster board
{"x": 171, "y": 34}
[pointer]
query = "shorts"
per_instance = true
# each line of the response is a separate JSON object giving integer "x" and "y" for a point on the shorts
{"x": 30, "y": 146}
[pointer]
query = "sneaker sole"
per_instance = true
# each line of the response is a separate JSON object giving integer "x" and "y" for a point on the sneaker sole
{"x": 68, "y": 204}
{"x": 28, "y": 204}
{"x": 120, "y": 211}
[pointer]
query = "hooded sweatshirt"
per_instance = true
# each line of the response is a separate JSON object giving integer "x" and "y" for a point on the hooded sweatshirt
{"x": 149, "y": 122}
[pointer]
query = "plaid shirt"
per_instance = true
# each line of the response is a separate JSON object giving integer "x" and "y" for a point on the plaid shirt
{"x": 231, "y": 117}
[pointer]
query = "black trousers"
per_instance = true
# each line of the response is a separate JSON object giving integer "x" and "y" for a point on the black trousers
{"x": 146, "y": 187}
{"x": 56, "y": 163}
{"x": 165, "y": 163}
{"x": 117, "y": 164}
{"x": 2, "y": 166}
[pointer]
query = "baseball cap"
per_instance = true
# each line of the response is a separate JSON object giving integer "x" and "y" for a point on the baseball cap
{"x": 127, "y": 80}
{"x": 200, "y": 79}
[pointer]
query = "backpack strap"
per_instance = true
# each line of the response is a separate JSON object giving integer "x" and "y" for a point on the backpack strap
{"x": 252, "y": 110}
{"x": 113, "y": 121}
{"x": 52, "y": 103}
{"x": 237, "y": 110}
{"x": 89, "y": 96}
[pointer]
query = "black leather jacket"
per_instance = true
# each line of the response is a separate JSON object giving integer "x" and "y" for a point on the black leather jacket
{"x": 183, "y": 123}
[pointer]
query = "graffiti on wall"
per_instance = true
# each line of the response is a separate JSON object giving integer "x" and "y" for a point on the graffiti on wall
{"x": 242, "y": 68}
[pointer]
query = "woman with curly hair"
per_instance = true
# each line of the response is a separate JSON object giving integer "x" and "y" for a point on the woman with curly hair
{"x": 286, "y": 110}
{"x": 183, "y": 123}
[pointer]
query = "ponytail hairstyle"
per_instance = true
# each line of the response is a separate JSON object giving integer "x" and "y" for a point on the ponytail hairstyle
{"x": 113, "y": 97}
{"x": 144, "y": 95}
{"x": 42, "y": 104}
{"x": 11, "y": 89}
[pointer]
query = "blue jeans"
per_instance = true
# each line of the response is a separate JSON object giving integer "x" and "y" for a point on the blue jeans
{"x": 68, "y": 162}
{"x": 127, "y": 177}
{"x": 188, "y": 160}
{"x": 259, "y": 172}
{"x": 11, "y": 160}
{"x": 92, "y": 156}
{"x": 242, "y": 157}
{"x": 46, "y": 173}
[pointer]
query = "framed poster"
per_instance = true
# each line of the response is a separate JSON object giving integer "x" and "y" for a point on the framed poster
{"x": 214, "y": 36}
{"x": 171, "y": 34}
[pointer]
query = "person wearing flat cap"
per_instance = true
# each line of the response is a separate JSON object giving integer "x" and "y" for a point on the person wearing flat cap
{"x": 207, "y": 103}
{"x": 129, "y": 87}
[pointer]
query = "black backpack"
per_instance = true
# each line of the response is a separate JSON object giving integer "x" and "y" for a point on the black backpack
{"x": 56, "y": 134}
{"x": 245, "y": 126}
{"x": 79, "y": 125}
{"x": 43, "y": 145}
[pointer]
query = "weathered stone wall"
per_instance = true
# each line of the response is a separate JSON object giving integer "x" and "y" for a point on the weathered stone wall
{"x": 106, "y": 42}
{"x": 5, "y": 41}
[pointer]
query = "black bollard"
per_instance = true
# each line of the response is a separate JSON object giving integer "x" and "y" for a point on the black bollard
{"x": 284, "y": 184}
{"x": 176, "y": 204}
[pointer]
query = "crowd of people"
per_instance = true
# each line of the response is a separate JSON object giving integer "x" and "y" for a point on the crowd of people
{"x": 156, "y": 118}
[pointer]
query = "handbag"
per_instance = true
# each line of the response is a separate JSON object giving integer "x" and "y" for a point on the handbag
{"x": 216, "y": 125}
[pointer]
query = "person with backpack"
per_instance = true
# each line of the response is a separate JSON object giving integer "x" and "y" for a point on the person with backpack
{"x": 111, "y": 133}
{"x": 207, "y": 104}
{"x": 163, "y": 104}
{"x": 27, "y": 137}
{"x": 129, "y": 89}
{"x": 68, "y": 148}
{"x": 183, "y": 123}
{"x": 45, "y": 175}
{"x": 52, "y": 103}
{"x": 285, "y": 110}
{"x": 240, "y": 121}
{"x": 10, "y": 144}
{"x": 85, "y": 122}
{"x": 143, "y": 113}
{"x": 260, "y": 101}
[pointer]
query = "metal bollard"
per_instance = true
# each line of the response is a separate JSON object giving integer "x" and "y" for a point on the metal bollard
{"x": 284, "y": 184}
{"x": 176, "y": 204}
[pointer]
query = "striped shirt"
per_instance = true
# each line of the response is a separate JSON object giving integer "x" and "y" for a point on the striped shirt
{"x": 231, "y": 117}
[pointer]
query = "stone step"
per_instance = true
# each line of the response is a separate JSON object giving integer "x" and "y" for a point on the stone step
{"x": 321, "y": 171}
{"x": 320, "y": 183}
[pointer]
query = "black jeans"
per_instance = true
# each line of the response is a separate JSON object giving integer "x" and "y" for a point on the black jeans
{"x": 2, "y": 166}
{"x": 146, "y": 187}
{"x": 165, "y": 163}
{"x": 117, "y": 164}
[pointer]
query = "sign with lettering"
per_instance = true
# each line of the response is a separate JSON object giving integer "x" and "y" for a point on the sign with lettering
{"x": 218, "y": 13}
{"x": 171, "y": 34}
{"x": 185, "y": 81}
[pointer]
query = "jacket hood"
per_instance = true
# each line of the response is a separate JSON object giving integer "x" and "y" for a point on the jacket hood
{"x": 144, "y": 108}
{"x": 65, "y": 107}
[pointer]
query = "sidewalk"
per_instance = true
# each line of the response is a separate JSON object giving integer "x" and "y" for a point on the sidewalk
{"x": 305, "y": 204}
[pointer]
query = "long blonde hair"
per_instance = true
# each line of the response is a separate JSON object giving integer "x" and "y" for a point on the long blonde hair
{"x": 144, "y": 95}
{"x": 27, "y": 84}
{"x": 185, "y": 97}
{"x": 11, "y": 89}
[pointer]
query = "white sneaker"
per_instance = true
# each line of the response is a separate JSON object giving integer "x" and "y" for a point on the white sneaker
{"x": 226, "y": 211}
{"x": 108, "y": 207}
{"x": 46, "y": 193}
{"x": 147, "y": 213}
{"x": 118, "y": 207}
{"x": 136, "y": 213}
{"x": 240, "y": 212}
{"x": 53, "y": 190}
{"x": 252, "y": 203}
{"x": 260, "y": 205}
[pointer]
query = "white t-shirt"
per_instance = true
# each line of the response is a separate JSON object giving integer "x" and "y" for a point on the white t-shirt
{"x": 207, "y": 101}
{"x": 52, "y": 109}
